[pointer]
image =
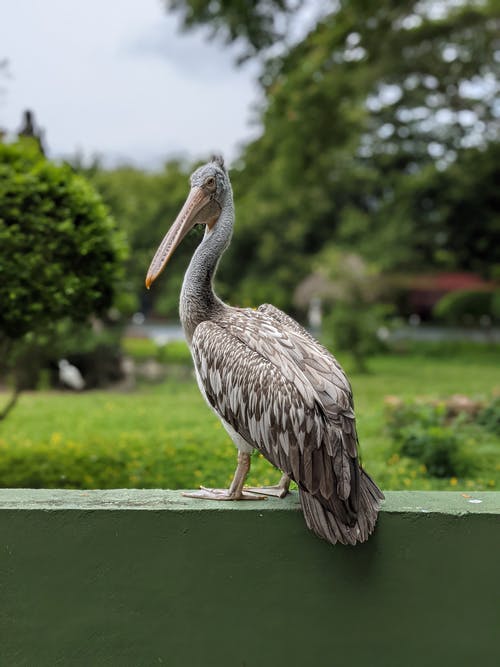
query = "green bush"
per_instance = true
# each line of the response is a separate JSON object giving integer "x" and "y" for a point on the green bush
{"x": 464, "y": 350}
{"x": 426, "y": 433}
{"x": 176, "y": 352}
{"x": 141, "y": 349}
{"x": 353, "y": 328}
{"x": 438, "y": 448}
{"x": 467, "y": 306}
{"x": 489, "y": 417}
{"x": 60, "y": 260}
{"x": 59, "y": 248}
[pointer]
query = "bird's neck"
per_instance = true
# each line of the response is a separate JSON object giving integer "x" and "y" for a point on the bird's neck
{"x": 198, "y": 301}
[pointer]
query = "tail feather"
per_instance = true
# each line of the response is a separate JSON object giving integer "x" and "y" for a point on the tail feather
{"x": 333, "y": 520}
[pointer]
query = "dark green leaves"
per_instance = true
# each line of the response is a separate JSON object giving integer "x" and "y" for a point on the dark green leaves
{"x": 60, "y": 254}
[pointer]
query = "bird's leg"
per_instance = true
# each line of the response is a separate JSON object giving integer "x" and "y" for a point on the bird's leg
{"x": 278, "y": 491}
{"x": 235, "y": 491}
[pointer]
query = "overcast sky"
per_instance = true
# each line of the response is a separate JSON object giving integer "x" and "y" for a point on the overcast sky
{"x": 115, "y": 77}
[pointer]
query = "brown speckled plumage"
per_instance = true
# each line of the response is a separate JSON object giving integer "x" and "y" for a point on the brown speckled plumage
{"x": 288, "y": 397}
{"x": 275, "y": 388}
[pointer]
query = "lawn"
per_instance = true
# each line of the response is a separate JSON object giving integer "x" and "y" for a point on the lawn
{"x": 165, "y": 436}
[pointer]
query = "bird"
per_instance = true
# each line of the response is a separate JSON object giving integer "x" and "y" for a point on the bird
{"x": 274, "y": 387}
{"x": 70, "y": 376}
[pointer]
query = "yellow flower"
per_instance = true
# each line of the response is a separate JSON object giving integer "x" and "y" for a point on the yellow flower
{"x": 453, "y": 481}
{"x": 55, "y": 438}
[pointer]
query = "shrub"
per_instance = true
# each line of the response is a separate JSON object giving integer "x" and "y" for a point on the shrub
{"x": 141, "y": 349}
{"x": 60, "y": 258}
{"x": 438, "y": 448}
{"x": 175, "y": 352}
{"x": 463, "y": 306}
{"x": 60, "y": 251}
{"x": 354, "y": 329}
{"x": 489, "y": 416}
{"x": 435, "y": 436}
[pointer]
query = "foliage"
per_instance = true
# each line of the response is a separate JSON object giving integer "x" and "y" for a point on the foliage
{"x": 489, "y": 416}
{"x": 443, "y": 436}
{"x": 60, "y": 250}
{"x": 144, "y": 205}
{"x": 175, "y": 352}
{"x": 351, "y": 290}
{"x": 464, "y": 306}
{"x": 354, "y": 329}
{"x": 140, "y": 349}
{"x": 60, "y": 253}
{"x": 257, "y": 23}
{"x": 391, "y": 155}
{"x": 394, "y": 157}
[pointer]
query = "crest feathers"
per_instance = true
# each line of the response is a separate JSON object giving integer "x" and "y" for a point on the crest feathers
{"x": 218, "y": 159}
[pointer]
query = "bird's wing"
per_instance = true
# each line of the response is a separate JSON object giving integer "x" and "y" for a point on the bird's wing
{"x": 330, "y": 366}
{"x": 285, "y": 395}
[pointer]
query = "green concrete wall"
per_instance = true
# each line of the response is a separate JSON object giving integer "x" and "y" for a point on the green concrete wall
{"x": 151, "y": 578}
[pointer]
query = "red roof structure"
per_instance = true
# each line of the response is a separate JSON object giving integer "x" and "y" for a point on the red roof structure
{"x": 427, "y": 289}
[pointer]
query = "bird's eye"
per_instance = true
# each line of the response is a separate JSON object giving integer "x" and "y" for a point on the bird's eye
{"x": 210, "y": 182}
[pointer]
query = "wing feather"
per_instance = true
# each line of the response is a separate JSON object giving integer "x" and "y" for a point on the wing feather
{"x": 287, "y": 396}
{"x": 259, "y": 378}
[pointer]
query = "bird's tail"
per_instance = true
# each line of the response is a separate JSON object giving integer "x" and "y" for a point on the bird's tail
{"x": 335, "y": 522}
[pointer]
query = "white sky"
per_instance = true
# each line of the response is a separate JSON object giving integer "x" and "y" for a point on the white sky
{"x": 114, "y": 77}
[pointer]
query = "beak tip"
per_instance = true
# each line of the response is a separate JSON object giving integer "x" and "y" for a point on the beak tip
{"x": 149, "y": 281}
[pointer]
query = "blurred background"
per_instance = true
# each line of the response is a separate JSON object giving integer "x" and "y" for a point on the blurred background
{"x": 363, "y": 145}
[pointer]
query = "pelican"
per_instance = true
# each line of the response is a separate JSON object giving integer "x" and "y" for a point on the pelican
{"x": 272, "y": 385}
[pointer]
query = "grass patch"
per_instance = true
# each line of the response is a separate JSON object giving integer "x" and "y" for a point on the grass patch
{"x": 165, "y": 436}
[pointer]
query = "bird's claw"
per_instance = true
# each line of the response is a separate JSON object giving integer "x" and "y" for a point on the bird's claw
{"x": 221, "y": 494}
{"x": 273, "y": 491}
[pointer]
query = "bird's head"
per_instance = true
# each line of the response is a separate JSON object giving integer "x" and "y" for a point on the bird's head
{"x": 209, "y": 189}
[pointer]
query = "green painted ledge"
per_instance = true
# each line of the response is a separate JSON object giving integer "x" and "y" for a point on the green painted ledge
{"x": 443, "y": 502}
{"x": 149, "y": 577}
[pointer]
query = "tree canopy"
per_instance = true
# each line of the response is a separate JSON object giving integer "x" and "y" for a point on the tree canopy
{"x": 380, "y": 133}
{"x": 258, "y": 24}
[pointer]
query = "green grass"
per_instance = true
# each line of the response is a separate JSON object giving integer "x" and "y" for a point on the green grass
{"x": 165, "y": 436}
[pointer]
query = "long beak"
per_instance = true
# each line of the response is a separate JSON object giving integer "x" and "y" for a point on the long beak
{"x": 196, "y": 200}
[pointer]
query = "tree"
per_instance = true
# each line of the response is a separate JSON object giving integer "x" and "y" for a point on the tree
{"x": 352, "y": 292}
{"x": 374, "y": 137}
{"x": 60, "y": 254}
{"x": 145, "y": 204}
{"x": 259, "y": 24}
{"x": 364, "y": 121}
